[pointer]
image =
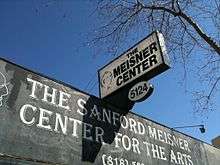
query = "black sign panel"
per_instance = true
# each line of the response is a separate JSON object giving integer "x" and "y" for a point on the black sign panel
{"x": 47, "y": 122}
{"x": 140, "y": 91}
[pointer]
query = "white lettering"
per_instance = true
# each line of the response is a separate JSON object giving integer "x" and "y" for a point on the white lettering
{"x": 81, "y": 103}
{"x": 95, "y": 112}
{"x": 75, "y": 126}
{"x": 135, "y": 145}
{"x": 106, "y": 115}
{"x": 132, "y": 125}
{"x": 147, "y": 146}
{"x": 63, "y": 99}
{"x": 35, "y": 84}
{"x": 180, "y": 158}
{"x": 115, "y": 117}
{"x": 62, "y": 124}
{"x": 152, "y": 132}
{"x": 23, "y": 111}
{"x": 117, "y": 139}
{"x": 99, "y": 134}
{"x": 155, "y": 151}
{"x": 126, "y": 143}
{"x": 173, "y": 157}
{"x": 124, "y": 122}
{"x": 141, "y": 128}
{"x": 87, "y": 131}
{"x": 44, "y": 119}
{"x": 160, "y": 135}
{"x": 51, "y": 96}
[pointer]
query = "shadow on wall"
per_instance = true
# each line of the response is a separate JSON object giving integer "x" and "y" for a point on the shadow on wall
{"x": 90, "y": 149}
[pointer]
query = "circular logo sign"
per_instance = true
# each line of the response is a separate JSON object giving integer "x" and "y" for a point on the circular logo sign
{"x": 140, "y": 91}
{"x": 106, "y": 80}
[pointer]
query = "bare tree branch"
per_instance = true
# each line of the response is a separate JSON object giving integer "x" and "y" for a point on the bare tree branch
{"x": 189, "y": 20}
{"x": 182, "y": 24}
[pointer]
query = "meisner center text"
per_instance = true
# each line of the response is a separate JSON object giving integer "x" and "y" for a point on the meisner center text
{"x": 68, "y": 120}
{"x": 138, "y": 61}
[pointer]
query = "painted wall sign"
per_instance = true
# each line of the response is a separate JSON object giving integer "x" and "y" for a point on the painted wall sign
{"x": 48, "y": 121}
{"x": 147, "y": 58}
{"x": 140, "y": 91}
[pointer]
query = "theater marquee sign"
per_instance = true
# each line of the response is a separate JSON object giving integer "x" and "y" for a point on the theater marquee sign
{"x": 147, "y": 59}
{"x": 52, "y": 123}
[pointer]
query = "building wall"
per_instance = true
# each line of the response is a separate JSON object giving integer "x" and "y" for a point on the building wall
{"x": 216, "y": 142}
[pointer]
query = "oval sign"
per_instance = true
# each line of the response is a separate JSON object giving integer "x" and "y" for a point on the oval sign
{"x": 140, "y": 91}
